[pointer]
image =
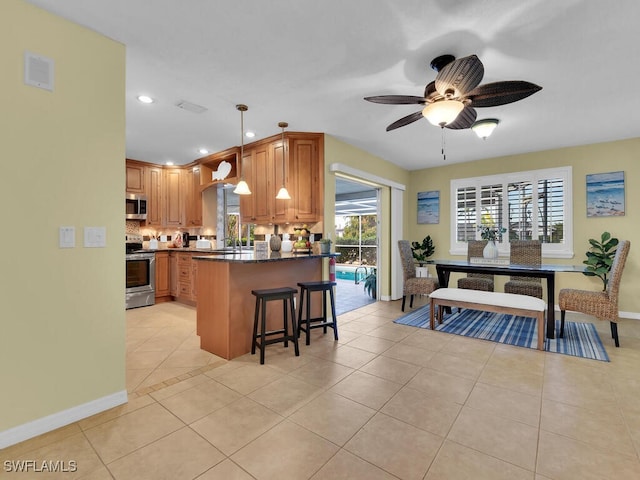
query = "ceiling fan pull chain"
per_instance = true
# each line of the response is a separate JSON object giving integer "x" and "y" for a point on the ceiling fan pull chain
{"x": 444, "y": 155}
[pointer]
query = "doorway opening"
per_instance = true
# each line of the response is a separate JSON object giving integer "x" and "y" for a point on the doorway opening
{"x": 357, "y": 234}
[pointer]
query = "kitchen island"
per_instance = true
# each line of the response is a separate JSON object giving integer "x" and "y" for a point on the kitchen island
{"x": 225, "y": 305}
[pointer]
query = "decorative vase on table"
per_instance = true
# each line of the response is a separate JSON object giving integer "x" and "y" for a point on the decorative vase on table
{"x": 275, "y": 243}
{"x": 490, "y": 250}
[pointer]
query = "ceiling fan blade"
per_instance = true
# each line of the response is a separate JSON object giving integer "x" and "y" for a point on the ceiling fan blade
{"x": 461, "y": 75}
{"x": 501, "y": 93}
{"x": 405, "y": 121}
{"x": 465, "y": 119}
{"x": 396, "y": 99}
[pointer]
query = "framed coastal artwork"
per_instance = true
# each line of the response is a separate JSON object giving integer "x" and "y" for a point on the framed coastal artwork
{"x": 605, "y": 194}
{"x": 429, "y": 207}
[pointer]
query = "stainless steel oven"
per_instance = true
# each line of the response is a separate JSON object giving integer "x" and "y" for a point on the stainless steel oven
{"x": 140, "y": 277}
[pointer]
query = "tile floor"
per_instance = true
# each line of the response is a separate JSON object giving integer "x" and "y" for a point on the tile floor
{"x": 385, "y": 402}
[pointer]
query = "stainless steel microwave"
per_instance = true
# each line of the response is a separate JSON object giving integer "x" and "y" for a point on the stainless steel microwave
{"x": 136, "y": 206}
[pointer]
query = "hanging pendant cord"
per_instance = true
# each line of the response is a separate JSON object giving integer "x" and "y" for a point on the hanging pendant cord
{"x": 444, "y": 155}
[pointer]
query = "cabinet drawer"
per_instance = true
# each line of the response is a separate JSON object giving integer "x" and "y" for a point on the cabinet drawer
{"x": 184, "y": 273}
{"x": 184, "y": 290}
{"x": 184, "y": 258}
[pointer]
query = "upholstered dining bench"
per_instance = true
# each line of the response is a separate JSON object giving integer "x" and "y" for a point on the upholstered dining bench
{"x": 498, "y": 302}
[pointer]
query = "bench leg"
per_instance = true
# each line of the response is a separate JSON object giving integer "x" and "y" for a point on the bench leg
{"x": 541, "y": 322}
{"x": 432, "y": 307}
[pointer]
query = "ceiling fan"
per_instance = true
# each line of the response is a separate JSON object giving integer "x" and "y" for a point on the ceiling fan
{"x": 452, "y": 98}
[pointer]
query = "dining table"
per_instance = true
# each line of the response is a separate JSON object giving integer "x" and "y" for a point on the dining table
{"x": 444, "y": 268}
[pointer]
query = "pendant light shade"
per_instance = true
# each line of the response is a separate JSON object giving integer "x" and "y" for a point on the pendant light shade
{"x": 283, "y": 194}
{"x": 442, "y": 112}
{"x": 485, "y": 127}
{"x": 242, "y": 188}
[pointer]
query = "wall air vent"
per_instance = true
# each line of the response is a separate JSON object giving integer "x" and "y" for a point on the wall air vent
{"x": 38, "y": 71}
{"x": 191, "y": 107}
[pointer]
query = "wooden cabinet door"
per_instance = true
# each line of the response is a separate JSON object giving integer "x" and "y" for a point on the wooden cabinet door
{"x": 193, "y": 197}
{"x": 135, "y": 178}
{"x": 281, "y": 208}
{"x": 155, "y": 203}
{"x": 305, "y": 168}
{"x": 173, "y": 198}
{"x": 162, "y": 274}
{"x": 173, "y": 274}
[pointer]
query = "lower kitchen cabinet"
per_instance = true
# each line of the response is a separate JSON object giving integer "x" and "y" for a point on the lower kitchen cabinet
{"x": 184, "y": 274}
{"x": 163, "y": 275}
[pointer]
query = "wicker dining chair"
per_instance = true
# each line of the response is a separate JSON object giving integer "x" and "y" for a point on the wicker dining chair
{"x": 602, "y": 305}
{"x": 476, "y": 281}
{"x": 413, "y": 285}
{"x": 525, "y": 252}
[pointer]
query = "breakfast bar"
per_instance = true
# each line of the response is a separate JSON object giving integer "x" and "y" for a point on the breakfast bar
{"x": 225, "y": 305}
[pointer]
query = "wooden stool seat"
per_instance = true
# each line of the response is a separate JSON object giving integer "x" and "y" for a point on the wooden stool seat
{"x": 308, "y": 323}
{"x": 262, "y": 297}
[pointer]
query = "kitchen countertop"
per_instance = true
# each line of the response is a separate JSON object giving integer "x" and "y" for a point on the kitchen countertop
{"x": 249, "y": 257}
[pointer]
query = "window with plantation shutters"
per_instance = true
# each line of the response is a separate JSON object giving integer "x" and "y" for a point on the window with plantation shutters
{"x": 533, "y": 205}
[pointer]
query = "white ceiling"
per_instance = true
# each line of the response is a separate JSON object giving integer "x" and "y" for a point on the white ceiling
{"x": 310, "y": 63}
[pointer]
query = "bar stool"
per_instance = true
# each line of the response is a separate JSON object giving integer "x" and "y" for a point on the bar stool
{"x": 323, "y": 286}
{"x": 262, "y": 297}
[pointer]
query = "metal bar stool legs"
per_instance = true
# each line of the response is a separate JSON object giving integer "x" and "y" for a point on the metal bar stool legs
{"x": 260, "y": 338}
{"x": 305, "y": 324}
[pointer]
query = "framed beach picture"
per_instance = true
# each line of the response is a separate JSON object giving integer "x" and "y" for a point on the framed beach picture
{"x": 605, "y": 194}
{"x": 429, "y": 207}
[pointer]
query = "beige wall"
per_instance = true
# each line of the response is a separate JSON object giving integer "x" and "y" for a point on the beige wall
{"x": 336, "y": 151}
{"x": 62, "y": 313}
{"x": 598, "y": 158}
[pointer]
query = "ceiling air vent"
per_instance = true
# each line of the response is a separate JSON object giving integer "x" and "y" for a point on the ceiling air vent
{"x": 38, "y": 71}
{"x": 191, "y": 107}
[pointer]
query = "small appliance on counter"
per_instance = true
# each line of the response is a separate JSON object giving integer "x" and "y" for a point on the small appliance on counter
{"x": 185, "y": 239}
{"x": 202, "y": 243}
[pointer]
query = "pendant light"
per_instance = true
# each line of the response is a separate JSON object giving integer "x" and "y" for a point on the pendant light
{"x": 242, "y": 188}
{"x": 283, "y": 194}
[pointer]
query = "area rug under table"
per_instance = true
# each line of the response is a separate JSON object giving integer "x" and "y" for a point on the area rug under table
{"x": 580, "y": 339}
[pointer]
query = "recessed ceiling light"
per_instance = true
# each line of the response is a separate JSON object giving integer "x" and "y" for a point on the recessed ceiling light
{"x": 169, "y": 162}
{"x": 203, "y": 151}
{"x": 250, "y": 134}
{"x": 145, "y": 99}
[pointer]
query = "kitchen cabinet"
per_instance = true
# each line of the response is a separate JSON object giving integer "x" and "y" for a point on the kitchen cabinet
{"x": 135, "y": 177}
{"x": 263, "y": 171}
{"x": 184, "y": 274}
{"x": 173, "y": 208}
{"x": 193, "y": 197}
{"x": 154, "y": 196}
{"x": 173, "y": 274}
{"x": 163, "y": 274}
{"x": 306, "y": 179}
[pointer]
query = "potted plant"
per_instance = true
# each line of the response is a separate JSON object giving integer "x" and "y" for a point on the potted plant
{"x": 600, "y": 257}
{"x": 325, "y": 245}
{"x": 422, "y": 251}
{"x": 371, "y": 284}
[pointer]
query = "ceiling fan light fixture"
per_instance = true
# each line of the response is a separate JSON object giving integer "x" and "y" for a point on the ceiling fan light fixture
{"x": 485, "y": 127}
{"x": 442, "y": 112}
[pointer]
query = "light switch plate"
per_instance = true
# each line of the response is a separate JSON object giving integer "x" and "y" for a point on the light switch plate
{"x": 67, "y": 237}
{"x": 95, "y": 237}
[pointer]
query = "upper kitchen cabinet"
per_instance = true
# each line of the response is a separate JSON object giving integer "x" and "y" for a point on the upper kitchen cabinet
{"x": 155, "y": 202}
{"x": 263, "y": 168}
{"x": 135, "y": 176}
{"x": 174, "y": 215}
{"x": 219, "y": 168}
{"x": 306, "y": 179}
{"x": 192, "y": 197}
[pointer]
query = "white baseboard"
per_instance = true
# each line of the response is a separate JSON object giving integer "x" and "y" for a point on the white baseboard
{"x": 60, "y": 419}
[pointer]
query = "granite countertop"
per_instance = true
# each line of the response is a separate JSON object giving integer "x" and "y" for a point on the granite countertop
{"x": 250, "y": 257}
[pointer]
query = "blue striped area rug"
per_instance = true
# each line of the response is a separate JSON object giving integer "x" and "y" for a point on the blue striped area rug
{"x": 580, "y": 339}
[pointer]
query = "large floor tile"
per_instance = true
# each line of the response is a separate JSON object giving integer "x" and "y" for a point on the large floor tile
{"x": 333, "y": 417}
{"x": 248, "y": 378}
{"x": 348, "y": 356}
{"x": 286, "y": 395}
{"x": 321, "y": 373}
{"x": 367, "y": 389}
{"x": 286, "y": 452}
{"x": 232, "y": 427}
{"x": 121, "y": 436}
{"x": 506, "y": 403}
{"x": 562, "y": 458}
{"x": 346, "y": 466}
{"x": 182, "y": 454}
{"x": 396, "y": 447}
{"x": 391, "y": 369}
{"x": 457, "y": 462}
{"x": 225, "y": 470}
{"x": 508, "y": 440}
{"x": 444, "y": 385}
